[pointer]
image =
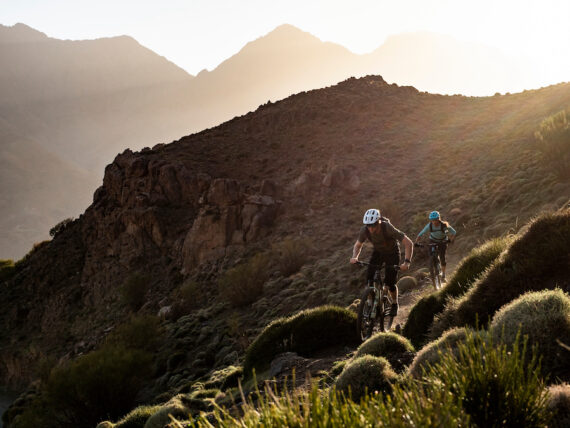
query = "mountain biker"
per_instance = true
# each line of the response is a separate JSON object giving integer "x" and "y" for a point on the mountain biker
{"x": 385, "y": 239}
{"x": 440, "y": 233}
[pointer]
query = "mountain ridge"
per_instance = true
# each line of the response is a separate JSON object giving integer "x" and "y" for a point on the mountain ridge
{"x": 85, "y": 117}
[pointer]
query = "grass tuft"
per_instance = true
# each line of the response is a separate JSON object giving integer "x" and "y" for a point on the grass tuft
{"x": 543, "y": 317}
{"x": 366, "y": 374}
{"x": 304, "y": 333}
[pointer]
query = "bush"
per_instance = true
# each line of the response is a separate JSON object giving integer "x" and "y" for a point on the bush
{"x": 536, "y": 260}
{"x": 366, "y": 374}
{"x": 420, "y": 318}
{"x": 175, "y": 407}
{"x": 559, "y": 405}
{"x": 304, "y": 333}
{"x": 474, "y": 265}
{"x": 243, "y": 284}
{"x": 395, "y": 348}
{"x": 291, "y": 255}
{"x": 60, "y": 227}
{"x": 7, "y": 270}
{"x": 553, "y": 140}
{"x": 137, "y": 418}
{"x": 407, "y": 283}
{"x": 96, "y": 386}
{"x": 140, "y": 332}
{"x": 227, "y": 377}
{"x": 545, "y": 318}
{"x": 470, "y": 268}
{"x": 134, "y": 291}
{"x": 434, "y": 351}
{"x": 493, "y": 383}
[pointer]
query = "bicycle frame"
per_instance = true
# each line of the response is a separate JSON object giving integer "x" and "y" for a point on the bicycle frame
{"x": 435, "y": 262}
{"x": 368, "y": 312}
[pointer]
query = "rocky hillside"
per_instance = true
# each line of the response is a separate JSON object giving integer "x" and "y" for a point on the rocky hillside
{"x": 304, "y": 168}
{"x": 84, "y": 101}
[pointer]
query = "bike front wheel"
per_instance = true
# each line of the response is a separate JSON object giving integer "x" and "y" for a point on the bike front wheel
{"x": 365, "y": 318}
{"x": 385, "y": 319}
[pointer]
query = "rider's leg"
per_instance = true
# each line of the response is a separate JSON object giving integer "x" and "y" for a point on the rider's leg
{"x": 390, "y": 281}
{"x": 372, "y": 267}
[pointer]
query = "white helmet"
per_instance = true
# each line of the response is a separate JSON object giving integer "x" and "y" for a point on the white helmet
{"x": 371, "y": 216}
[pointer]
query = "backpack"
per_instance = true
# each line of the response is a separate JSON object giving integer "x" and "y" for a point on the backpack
{"x": 444, "y": 226}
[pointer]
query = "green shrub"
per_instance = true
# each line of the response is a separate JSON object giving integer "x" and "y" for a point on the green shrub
{"x": 421, "y": 316}
{"x": 536, "y": 260}
{"x": 553, "y": 140}
{"x": 545, "y": 318}
{"x": 291, "y": 255}
{"x": 175, "y": 407}
{"x": 140, "y": 332}
{"x": 225, "y": 378}
{"x": 434, "y": 351}
{"x": 102, "y": 384}
{"x": 559, "y": 405}
{"x": 243, "y": 284}
{"x": 494, "y": 383}
{"x": 137, "y": 418}
{"x": 304, "y": 333}
{"x": 392, "y": 346}
{"x": 470, "y": 268}
{"x": 133, "y": 291}
{"x": 205, "y": 393}
{"x": 7, "y": 270}
{"x": 366, "y": 374}
{"x": 407, "y": 283}
{"x": 338, "y": 367}
{"x": 474, "y": 265}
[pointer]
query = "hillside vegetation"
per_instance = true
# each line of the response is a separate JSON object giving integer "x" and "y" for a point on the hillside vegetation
{"x": 171, "y": 227}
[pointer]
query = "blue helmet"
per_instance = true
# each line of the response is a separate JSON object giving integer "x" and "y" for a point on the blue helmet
{"x": 434, "y": 215}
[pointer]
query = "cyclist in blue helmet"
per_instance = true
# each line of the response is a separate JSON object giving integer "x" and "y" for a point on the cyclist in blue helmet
{"x": 441, "y": 233}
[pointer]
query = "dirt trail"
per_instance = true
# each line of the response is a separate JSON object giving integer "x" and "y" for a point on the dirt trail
{"x": 302, "y": 369}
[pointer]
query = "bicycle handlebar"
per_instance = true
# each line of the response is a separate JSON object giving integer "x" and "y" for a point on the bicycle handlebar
{"x": 432, "y": 243}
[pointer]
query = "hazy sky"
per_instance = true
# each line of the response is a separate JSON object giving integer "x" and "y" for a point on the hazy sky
{"x": 198, "y": 34}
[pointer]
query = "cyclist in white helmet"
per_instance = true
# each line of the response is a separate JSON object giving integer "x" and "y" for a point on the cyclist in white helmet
{"x": 385, "y": 239}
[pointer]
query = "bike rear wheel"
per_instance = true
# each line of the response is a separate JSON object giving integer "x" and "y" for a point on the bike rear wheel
{"x": 365, "y": 321}
{"x": 435, "y": 272}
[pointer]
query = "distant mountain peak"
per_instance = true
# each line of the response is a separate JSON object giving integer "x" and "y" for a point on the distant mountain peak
{"x": 20, "y": 33}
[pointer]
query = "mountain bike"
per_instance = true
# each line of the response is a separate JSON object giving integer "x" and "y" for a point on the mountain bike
{"x": 375, "y": 305}
{"x": 435, "y": 271}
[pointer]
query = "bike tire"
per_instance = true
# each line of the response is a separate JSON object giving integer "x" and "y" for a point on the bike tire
{"x": 433, "y": 272}
{"x": 364, "y": 323}
{"x": 385, "y": 319}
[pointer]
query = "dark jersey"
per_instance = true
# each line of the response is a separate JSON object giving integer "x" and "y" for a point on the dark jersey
{"x": 386, "y": 240}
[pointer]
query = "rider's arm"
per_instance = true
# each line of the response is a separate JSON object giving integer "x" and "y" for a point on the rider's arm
{"x": 408, "y": 251}
{"x": 452, "y": 231}
{"x": 424, "y": 230}
{"x": 356, "y": 251}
